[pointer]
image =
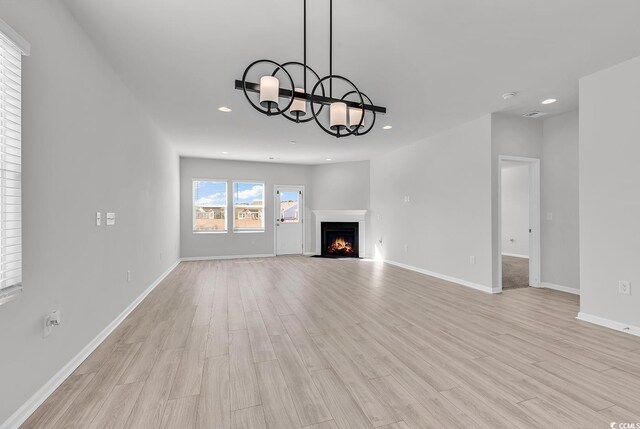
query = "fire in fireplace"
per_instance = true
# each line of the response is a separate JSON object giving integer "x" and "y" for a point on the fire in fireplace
{"x": 339, "y": 239}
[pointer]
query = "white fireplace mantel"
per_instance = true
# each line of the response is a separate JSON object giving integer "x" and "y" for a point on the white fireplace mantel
{"x": 342, "y": 216}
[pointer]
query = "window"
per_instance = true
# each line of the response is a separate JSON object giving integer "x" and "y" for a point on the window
{"x": 12, "y": 47}
{"x": 248, "y": 206}
{"x": 290, "y": 207}
{"x": 209, "y": 206}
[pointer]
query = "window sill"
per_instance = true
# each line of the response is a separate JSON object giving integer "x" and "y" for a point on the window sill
{"x": 248, "y": 231}
{"x": 210, "y": 232}
{"x": 10, "y": 293}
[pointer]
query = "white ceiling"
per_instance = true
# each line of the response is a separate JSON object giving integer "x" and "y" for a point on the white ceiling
{"x": 432, "y": 63}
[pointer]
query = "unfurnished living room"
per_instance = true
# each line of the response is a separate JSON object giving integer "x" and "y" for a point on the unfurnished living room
{"x": 319, "y": 214}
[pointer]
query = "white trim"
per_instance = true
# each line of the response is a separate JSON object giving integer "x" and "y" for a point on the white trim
{"x": 23, "y": 413}
{"x": 10, "y": 293}
{"x": 215, "y": 258}
{"x": 560, "y": 288}
{"x": 534, "y": 218}
{"x": 515, "y": 255}
{"x": 342, "y": 216}
{"x": 601, "y": 321}
{"x": 15, "y": 39}
{"x": 466, "y": 283}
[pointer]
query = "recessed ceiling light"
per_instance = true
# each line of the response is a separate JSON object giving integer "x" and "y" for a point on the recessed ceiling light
{"x": 387, "y": 127}
{"x": 328, "y": 159}
{"x": 224, "y": 109}
{"x": 273, "y": 157}
{"x": 225, "y": 153}
{"x": 509, "y": 95}
{"x": 293, "y": 142}
{"x": 549, "y": 101}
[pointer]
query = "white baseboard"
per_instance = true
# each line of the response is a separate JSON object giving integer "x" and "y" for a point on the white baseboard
{"x": 515, "y": 255}
{"x": 23, "y": 413}
{"x": 466, "y": 283}
{"x": 309, "y": 253}
{"x": 601, "y": 321}
{"x": 560, "y": 288}
{"x": 215, "y": 258}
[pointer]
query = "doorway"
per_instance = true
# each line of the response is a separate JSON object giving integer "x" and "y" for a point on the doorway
{"x": 519, "y": 241}
{"x": 289, "y": 231}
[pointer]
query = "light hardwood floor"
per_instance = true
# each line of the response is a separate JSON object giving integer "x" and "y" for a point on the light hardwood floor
{"x": 294, "y": 342}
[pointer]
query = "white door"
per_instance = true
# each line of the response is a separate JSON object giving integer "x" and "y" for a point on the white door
{"x": 289, "y": 206}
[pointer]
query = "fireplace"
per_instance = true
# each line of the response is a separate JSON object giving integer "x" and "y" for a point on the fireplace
{"x": 339, "y": 240}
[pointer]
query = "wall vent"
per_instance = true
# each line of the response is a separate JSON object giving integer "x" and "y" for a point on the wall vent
{"x": 534, "y": 114}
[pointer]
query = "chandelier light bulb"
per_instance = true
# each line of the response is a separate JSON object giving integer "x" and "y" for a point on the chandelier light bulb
{"x": 355, "y": 115}
{"x": 299, "y": 105}
{"x": 338, "y": 115}
{"x": 269, "y": 91}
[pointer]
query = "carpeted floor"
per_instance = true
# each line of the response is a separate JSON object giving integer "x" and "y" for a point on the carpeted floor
{"x": 515, "y": 272}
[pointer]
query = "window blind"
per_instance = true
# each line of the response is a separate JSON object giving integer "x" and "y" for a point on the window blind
{"x": 10, "y": 169}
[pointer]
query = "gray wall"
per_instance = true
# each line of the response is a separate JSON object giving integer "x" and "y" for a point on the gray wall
{"x": 559, "y": 196}
{"x": 339, "y": 186}
{"x": 448, "y": 218}
{"x": 610, "y": 192}
{"x": 515, "y": 210}
{"x": 87, "y": 147}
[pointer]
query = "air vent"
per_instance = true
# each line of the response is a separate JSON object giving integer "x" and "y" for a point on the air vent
{"x": 534, "y": 114}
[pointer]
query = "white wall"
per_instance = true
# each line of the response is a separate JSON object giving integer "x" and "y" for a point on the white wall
{"x": 448, "y": 218}
{"x": 513, "y": 136}
{"x": 559, "y": 197}
{"x": 610, "y": 192}
{"x": 339, "y": 186}
{"x": 515, "y": 210}
{"x": 87, "y": 147}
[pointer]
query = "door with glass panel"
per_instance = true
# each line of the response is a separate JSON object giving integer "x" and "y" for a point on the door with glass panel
{"x": 289, "y": 206}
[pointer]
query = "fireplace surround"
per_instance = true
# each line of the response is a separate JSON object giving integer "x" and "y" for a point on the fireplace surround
{"x": 357, "y": 216}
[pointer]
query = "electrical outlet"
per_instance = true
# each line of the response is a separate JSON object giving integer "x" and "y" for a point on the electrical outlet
{"x": 406, "y": 248}
{"x": 51, "y": 320}
{"x": 624, "y": 287}
{"x": 549, "y": 216}
{"x": 98, "y": 218}
{"x": 472, "y": 260}
{"x": 161, "y": 256}
{"x": 128, "y": 276}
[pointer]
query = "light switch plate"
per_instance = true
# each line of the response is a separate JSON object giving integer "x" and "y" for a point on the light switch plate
{"x": 111, "y": 219}
{"x": 624, "y": 287}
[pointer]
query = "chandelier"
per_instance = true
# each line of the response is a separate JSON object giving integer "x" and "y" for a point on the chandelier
{"x": 351, "y": 112}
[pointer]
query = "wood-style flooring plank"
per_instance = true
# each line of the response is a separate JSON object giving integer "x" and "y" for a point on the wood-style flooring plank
{"x": 214, "y": 408}
{"x": 244, "y": 384}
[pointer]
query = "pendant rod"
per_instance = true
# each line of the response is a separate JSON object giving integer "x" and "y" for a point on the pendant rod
{"x": 331, "y": 47}
{"x": 305, "y": 46}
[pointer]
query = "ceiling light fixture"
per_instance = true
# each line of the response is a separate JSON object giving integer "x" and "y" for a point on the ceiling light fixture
{"x": 549, "y": 101}
{"x": 327, "y": 159}
{"x": 387, "y": 127}
{"x": 353, "y": 113}
{"x": 225, "y": 153}
{"x": 509, "y": 95}
{"x": 224, "y": 109}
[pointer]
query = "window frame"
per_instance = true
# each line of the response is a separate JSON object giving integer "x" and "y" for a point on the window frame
{"x": 10, "y": 39}
{"x": 241, "y": 230}
{"x": 193, "y": 206}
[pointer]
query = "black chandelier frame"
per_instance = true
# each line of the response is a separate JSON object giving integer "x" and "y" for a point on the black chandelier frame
{"x": 317, "y": 96}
